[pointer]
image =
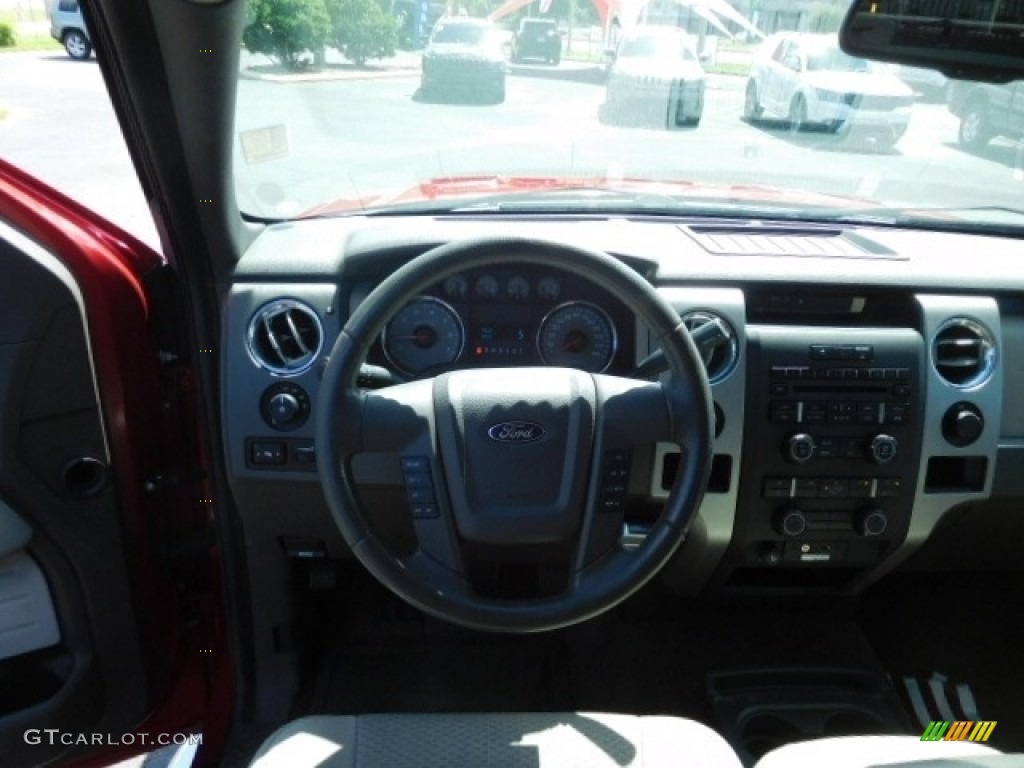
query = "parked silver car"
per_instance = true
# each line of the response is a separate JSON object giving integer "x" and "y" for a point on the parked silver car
{"x": 655, "y": 78}
{"x": 464, "y": 55}
{"x": 68, "y": 27}
{"x": 808, "y": 81}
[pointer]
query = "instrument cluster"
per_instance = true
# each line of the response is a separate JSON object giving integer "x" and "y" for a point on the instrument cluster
{"x": 506, "y": 317}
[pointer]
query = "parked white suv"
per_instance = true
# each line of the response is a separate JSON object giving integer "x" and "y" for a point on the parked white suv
{"x": 68, "y": 27}
{"x": 808, "y": 81}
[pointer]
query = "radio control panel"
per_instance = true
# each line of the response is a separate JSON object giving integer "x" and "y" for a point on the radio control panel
{"x": 832, "y": 446}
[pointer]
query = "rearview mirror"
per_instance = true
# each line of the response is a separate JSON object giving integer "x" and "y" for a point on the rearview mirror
{"x": 966, "y": 40}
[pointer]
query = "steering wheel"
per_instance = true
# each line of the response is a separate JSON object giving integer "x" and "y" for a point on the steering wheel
{"x": 514, "y": 457}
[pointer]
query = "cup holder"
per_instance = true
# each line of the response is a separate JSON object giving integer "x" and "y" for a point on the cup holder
{"x": 763, "y": 733}
{"x": 762, "y": 709}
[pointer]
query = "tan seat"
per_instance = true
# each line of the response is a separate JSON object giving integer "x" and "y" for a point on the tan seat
{"x": 887, "y": 751}
{"x": 512, "y": 740}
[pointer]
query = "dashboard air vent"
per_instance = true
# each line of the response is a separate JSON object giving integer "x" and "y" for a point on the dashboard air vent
{"x": 285, "y": 337}
{"x": 964, "y": 353}
{"x": 716, "y": 342}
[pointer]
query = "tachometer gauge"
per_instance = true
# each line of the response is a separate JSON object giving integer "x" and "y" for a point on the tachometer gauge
{"x": 425, "y": 333}
{"x": 577, "y": 335}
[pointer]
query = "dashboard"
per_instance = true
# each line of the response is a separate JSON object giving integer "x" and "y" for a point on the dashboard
{"x": 861, "y": 378}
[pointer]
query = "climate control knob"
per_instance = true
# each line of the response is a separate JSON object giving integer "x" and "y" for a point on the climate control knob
{"x": 872, "y": 522}
{"x": 882, "y": 448}
{"x": 791, "y": 522}
{"x": 799, "y": 448}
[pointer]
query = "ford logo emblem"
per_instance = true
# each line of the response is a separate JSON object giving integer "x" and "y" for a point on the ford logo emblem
{"x": 516, "y": 432}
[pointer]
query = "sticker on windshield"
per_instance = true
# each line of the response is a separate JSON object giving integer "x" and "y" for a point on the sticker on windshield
{"x": 260, "y": 145}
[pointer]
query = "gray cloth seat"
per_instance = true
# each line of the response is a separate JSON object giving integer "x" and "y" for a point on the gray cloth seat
{"x": 887, "y": 751}
{"x": 507, "y": 740}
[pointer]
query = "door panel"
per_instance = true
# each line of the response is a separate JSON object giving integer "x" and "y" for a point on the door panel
{"x": 80, "y": 449}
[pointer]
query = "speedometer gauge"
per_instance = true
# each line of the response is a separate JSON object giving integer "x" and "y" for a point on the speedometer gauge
{"x": 577, "y": 335}
{"x": 425, "y": 333}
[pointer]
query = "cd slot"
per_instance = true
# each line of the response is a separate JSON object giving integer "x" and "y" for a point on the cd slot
{"x": 831, "y": 388}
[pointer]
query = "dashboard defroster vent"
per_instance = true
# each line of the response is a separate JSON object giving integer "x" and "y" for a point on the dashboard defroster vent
{"x": 778, "y": 240}
{"x": 285, "y": 337}
{"x": 963, "y": 353}
{"x": 716, "y": 342}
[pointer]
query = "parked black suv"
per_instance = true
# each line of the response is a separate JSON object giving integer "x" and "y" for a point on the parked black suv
{"x": 987, "y": 111}
{"x": 537, "y": 39}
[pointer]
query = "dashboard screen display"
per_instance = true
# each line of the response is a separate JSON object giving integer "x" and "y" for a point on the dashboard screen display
{"x": 502, "y": 341}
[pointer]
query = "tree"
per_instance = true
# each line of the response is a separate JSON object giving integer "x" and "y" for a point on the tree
{"x": 362, "y": 30}
{"x": 827, "y": 16}
{"x": 287, "y": 30}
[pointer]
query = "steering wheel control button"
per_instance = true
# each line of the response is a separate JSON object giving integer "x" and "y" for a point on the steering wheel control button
{"x": 800, "y": 448}
{"x": 267, "y": 454}
{"x": 285, "y": 406}
{"x": 420, "y": 494}
{"x": 415, "y": 464}
{"x": 419, "y": 486}
{"x": 882, "y": 449}
{"x": 614, "y": 480}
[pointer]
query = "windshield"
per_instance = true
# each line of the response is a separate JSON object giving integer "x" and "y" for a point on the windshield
{"x": 352, "y": 116}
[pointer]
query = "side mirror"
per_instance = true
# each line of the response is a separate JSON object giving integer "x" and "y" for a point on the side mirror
{"x": 792, "y": 62}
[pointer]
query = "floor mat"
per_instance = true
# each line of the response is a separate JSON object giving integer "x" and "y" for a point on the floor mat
{"x": 969, "y": 628}
{"x": 447, "y": 675}
{"x": 653, "y": 654}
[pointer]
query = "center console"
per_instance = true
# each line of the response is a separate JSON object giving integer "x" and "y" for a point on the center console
{"x": 833, "y": 444}
{"x": 859, "y": 437}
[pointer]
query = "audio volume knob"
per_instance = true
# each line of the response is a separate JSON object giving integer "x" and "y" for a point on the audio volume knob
{"x": 799, "y": 448}
{"x": 872, "y": 522}
{"x": 791, "y": 522}
{"x": 882, "y": 448}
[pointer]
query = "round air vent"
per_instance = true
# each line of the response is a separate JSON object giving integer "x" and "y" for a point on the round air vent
{"x": 285, "y": 337}
{"x": 716, "y": 342}
{"x": 964, "y": 353}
